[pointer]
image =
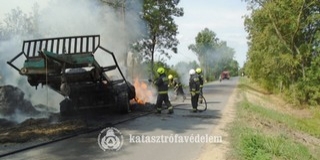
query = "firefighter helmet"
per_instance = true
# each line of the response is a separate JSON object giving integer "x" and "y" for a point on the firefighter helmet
{"x": 198, "y": 70}
{"x": 170, "y": 76}
{"x": 160, "y": 70}
{"x": 192, "y": 72}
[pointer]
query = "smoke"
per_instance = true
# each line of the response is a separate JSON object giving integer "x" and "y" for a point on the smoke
{"x": 8, "y": 49}
{"x": 82, "y": 17}
{"x": 184, "y": 75}
{"x": 18, "y": 116}
{"x": 117, "y": 30}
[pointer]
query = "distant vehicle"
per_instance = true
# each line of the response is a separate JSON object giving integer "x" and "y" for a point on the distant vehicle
{"x": 225, "y": 75}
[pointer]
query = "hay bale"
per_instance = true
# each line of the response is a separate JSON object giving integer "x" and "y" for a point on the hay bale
{"x": 4, "y": 123}
{"x": 12, "y": 101}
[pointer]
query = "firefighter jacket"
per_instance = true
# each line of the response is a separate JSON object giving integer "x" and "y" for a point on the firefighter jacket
{"x": 162, "y": 83}
{"x": 201, "y": 80}
{"x": 194, "y": 84}
{"x": 176, "y": 83}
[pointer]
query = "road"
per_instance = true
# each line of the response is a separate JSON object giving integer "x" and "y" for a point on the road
{"x": 166, "y": 129}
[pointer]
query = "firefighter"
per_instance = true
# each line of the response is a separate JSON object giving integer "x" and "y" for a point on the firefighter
{"x": 162, "y": 84}
{"x": 199, "y": 72}
{"x": 170, "y": 77}
{"x": 177, "y": 86}
{"x": 194, "y": 85}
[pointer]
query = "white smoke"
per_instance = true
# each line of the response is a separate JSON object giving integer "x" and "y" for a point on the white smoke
{"x": 19, "y": 116}
{"x": 72, "y": 18}
{"x": 82, "y": 17}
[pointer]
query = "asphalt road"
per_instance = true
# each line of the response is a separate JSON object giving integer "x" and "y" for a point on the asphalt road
{"x": 178, "y": 136}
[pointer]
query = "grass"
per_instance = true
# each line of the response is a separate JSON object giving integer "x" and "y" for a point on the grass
{"x": 307, "y": 125}
{"x": 251, "y": 142}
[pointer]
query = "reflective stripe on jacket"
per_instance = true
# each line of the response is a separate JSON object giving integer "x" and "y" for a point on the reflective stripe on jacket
{"x": 162, "y": 84}
{"x": 194, "y": 83}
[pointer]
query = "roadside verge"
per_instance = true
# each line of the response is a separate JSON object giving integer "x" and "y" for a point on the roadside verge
{"x": 266, "y": 127}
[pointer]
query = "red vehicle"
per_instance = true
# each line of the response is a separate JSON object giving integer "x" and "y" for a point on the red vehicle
{"x": 224, "y": 75}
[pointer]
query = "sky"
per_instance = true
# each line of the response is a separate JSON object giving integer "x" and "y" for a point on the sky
{"x": 224, "y": 17}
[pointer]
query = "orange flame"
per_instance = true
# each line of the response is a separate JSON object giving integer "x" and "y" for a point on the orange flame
{"x": 143, "y": 92}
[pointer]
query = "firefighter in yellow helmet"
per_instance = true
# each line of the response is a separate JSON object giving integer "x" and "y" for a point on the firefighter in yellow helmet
{"x": 177, "y": 86}
{"x": 199, "y": 72}
{"x": 170, "y": 78}
{"x": 162, "y": 84}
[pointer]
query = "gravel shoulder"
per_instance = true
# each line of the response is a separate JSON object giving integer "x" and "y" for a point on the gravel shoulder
{"x": 220, "y": 150}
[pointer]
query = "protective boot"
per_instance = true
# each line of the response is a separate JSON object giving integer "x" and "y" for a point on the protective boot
{"x": 170, "y": 110}
{"x": 184, "y": 98}
{"x": 158, "y": 111}
{"x": 194, "y": 110}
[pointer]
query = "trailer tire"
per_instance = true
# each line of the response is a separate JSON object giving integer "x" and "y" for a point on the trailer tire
{"x": 123, "y": 103}
{"x": 131, "y": 91}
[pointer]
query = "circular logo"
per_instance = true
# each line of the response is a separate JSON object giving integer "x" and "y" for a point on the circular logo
{"x": 110, "y": 138}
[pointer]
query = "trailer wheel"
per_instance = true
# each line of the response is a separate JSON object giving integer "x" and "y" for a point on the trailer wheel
{"x": 131, "y": 91}
{"x": 123, "y": 103}
{"x": 66, "y": 107}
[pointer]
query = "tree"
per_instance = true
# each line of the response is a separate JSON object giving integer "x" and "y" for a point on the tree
{"x": 159, "y": 15}
{"x": 18, "y": 23}
{"x": 205, "y": 45}
{"x": 283, "y": 45}
{"x": 214, "y": 55}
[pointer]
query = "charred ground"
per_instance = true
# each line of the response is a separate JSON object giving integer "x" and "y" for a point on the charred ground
{"x": 23, "y": 123}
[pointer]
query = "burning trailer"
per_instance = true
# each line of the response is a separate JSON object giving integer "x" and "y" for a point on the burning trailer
{"x": 68, "y": 66}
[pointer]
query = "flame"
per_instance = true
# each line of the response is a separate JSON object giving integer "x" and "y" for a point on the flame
{"x": 139, "y": 101}
{"x": 143, "y": 92}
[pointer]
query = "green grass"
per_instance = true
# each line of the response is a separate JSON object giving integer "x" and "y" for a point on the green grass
{"x": 250, "y": 142}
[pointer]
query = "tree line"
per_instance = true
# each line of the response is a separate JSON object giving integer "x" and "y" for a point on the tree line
{"x": 283, "y": 53}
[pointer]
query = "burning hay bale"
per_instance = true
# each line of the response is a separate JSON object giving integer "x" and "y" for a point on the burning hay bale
{"x": 144, "y": 92}
{"x": 12, "y": 102}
